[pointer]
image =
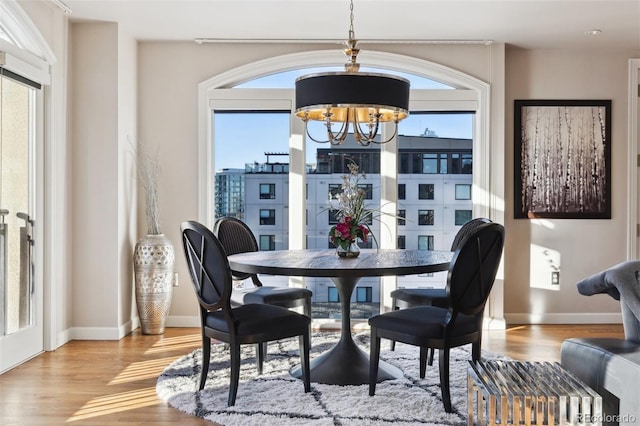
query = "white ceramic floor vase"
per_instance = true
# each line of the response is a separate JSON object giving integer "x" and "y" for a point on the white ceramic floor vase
{"x": 154, "y": 261}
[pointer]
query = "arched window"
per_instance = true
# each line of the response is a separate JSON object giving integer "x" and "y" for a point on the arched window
{"x": 259, "y": 166}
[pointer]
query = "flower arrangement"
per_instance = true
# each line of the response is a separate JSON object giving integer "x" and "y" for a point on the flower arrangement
{"x": 351, "y": 211}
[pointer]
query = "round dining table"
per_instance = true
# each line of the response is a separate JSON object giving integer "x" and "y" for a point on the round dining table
{"x": 345, "y": 363}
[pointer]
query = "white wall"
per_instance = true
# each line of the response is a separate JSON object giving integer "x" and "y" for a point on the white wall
{"x": 585, "y": 246}
{"x": 103, "y": 133}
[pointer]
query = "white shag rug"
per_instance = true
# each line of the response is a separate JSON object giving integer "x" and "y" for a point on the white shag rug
{"x": 276, "y": 398}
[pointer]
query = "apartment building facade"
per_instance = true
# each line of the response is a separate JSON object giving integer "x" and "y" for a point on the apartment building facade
{"x": 434, "y": 200}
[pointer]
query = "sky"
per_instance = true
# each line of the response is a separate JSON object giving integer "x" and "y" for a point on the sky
{"x": 244, "y": 137}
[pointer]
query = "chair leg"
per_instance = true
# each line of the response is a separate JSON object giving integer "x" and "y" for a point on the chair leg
{"x": 423, "y": 361}
{"x": 393, "y": 308}
{"x": 305, "y": 344}
{"x": 306, "y": 310}
{"x": 374, "y": 360}
{"x": 261, "y": 354}
{"x": 475, "y": 350}
{"x": 235, "y": 373}
{"x": 430, "y": 361}
{"x": 206, "y": 355}
{"x": 443, "y": 357}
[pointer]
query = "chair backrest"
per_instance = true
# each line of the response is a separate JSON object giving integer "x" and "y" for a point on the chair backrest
{"x": 473, "y": 268}
{"x": 236, "y": 237}
{"x": 466, "y": 230}
{"x": 208, "y": 266}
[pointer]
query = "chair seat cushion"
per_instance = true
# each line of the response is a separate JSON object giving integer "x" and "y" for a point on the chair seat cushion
{"x": 267, "y": 321}
{"x": 424, "y": 322}
{"x": 422, "y": 296}
{"x": 279, "y": 296}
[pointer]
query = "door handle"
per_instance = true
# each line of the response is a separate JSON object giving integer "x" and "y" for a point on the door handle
{"x": 29, "y": 223}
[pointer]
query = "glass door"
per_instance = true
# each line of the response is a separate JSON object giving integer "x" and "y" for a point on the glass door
{"x": 21, "y": 335}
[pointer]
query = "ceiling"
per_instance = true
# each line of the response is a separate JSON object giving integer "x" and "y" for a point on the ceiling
{"x": 524, "y": 23}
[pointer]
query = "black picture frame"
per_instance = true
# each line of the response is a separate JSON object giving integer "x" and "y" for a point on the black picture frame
{"x": 562, "y": 159}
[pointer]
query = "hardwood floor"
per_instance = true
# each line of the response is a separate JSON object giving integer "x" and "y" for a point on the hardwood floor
{"x": 106, "y": 382}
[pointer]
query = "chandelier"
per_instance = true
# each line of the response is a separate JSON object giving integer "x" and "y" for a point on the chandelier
{"x": 362, "y": 100}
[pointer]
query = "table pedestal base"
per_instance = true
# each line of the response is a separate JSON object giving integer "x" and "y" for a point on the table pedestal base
{"x": 346, "y": 364}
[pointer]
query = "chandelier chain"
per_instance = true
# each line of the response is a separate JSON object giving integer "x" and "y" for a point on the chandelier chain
{"x": 351, "y": 31}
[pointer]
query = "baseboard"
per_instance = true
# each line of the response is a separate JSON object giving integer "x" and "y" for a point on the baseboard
{"x": 102, "y": 333}
{"x": 182, "y": 321}
{"x": 584, "y": 318}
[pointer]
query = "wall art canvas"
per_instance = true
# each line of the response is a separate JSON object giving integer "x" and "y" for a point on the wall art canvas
{"x": 562, "y": 159}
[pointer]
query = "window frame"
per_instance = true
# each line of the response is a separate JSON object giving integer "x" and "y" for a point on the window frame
{"x": 424, "y": 215}
{"x": 271, "y": 194}
{"x": 368, "y": 294}
{"x": 430, "y": 241}
{"x": 455, "y": 191}
{"x": 271, "y": 243}
{"x": 271, "y": 217}
{"x": 430, "y": 191}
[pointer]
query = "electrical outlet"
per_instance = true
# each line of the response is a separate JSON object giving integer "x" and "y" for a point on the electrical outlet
{"x": 555, "y": 278}
{"x": 175, "y": 279}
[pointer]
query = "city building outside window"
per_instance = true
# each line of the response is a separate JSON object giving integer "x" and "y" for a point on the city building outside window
{"x": 334, "y": 189}
{"x": 267, "y": 191}
{"x": 462, "y": 217}
{"x": 364, "y": 294}
{"x": 333, "y": 295}
{"x": 425, "y": 242}
{"x": 461, "y": 164}
{"x": 430, "y": 163}
{"x": 426, "y": 191}
{"x": 368, "y": 244}
{"x": 402, "y": 191}
{"x": 267, "y": 242}
{"x": 402, "y": 215}
{"x": 451, "y": 147}
{"x": 333, "y": 216}
{"x": 402, "y": 242}
{"x": 463, "y": 191}
{"x": 368, "y": 190}
{"x": 435, "y": 163}
{"x": 425, "y": 217}
{"x": 267, "y": 217}
{"x": 444, "y": 159}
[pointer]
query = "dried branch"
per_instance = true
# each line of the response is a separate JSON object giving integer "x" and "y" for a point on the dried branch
{"x": 148, "y": 174}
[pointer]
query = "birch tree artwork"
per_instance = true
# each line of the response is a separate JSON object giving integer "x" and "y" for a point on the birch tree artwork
{"x": 563, "y": 159}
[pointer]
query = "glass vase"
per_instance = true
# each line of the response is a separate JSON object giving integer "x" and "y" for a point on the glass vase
{"x": 352, "y": 251}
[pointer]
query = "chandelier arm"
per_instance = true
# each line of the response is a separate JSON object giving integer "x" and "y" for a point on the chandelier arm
{"x": 306, "y": 129}
{"x": 339, "y": 137}
{"x": 371, "y": 133}
{"x": 395, "y": 133}
{"x": 366, "y": 140}
{"x": 334, "y": 138}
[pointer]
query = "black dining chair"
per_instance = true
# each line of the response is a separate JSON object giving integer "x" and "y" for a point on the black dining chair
{"x": 237, "y": 237}
{"x": 403, "y": 298}
{"x": 472, "y": 272}
{"x": 251, "y": 323}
